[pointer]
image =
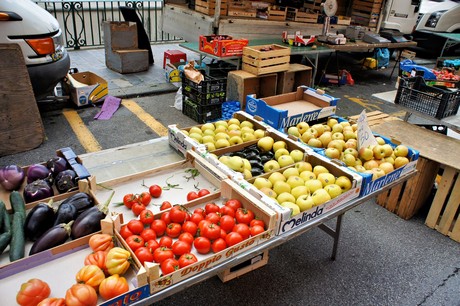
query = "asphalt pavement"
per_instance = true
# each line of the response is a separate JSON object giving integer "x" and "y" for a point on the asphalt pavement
{"x": 382, "y": 259}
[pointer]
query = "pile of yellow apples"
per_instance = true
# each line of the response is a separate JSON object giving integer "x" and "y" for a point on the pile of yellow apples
{"x": 302, "y": 186}
{"x": 222, "y": 133}
{"x": 340, "y": 141}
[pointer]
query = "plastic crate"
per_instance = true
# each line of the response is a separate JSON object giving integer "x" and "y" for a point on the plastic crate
{"x": 201, "y": 113}
{"x": 205, "y": 98}
{"x": 413, "y": 93}
{"x": 209, "y": 85}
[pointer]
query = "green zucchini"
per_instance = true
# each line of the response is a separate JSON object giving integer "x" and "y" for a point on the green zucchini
{"x": 17, "y": 203}
{"x": 5, "y": 237}
{"x": 2, "y": 209}
{"x": 17, "y": 244}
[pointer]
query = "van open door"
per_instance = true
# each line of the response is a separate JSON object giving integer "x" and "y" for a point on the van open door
{"x": 400, "y": 15}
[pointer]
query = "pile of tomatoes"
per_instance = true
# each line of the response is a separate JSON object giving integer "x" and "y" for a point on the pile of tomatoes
{"x": 173, "y": 239}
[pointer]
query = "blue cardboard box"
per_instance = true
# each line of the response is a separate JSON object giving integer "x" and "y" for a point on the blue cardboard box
{"x": 285, "y": 110}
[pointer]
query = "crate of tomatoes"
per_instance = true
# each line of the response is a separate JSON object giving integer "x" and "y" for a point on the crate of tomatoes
{"x": 183, "y": 240}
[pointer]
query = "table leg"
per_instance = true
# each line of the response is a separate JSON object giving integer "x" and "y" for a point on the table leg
{"x": 334, "y": 234}
{"x": 398, "y": 60}
{"x": 315, "y": 67}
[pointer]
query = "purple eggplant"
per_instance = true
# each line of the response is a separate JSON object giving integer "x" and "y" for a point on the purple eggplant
{"x": 57, "y": 164}
{"x": 39, "y": 172}
{"x": 71, "y": 207}
{"x": 89, "y": 221}
{"x": 11, "y": 177}
{"x": 66, "y": 180}
{"x": 39, "y": 220}
{"x": 53, "y": 237}
{"x": 37, "y": 190}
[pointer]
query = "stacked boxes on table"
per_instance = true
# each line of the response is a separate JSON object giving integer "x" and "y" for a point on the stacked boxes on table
{"x": 203, "y": 102}
{"x": 366, "y": 12}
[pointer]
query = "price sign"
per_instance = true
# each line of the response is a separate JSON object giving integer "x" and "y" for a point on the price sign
{"x": 365, "y": 136}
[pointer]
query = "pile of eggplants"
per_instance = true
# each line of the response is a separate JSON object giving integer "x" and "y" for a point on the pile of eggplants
{"x": 42, "y": 177}
{"x": 77, "y": 216}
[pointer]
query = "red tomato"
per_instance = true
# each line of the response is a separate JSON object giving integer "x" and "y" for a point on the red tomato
{"x": 169, "y": 266}
{"x": 256, "y": 229}
{"x": 162, "y": 253}
{"x": 187, "y": 259}
{"x": 218, "y": 245}
{"x": 178, "y": 214}
{"x": 144, "y": 254}
{"x": 227, "y": 210}
{"x": 165, "y": 217}
{"x": 33, "y": 292}
{"x": 227, "y": 223}
{"x": 196, "y": 218}
{"x": 223, "y": 233}
{"x": 199, "y": 211}
{"x": 173, "y": 230}
{"x": 152, "y": 245}
{"x": 242, "y": 229}
{"x": 155, "y": 191}
{"x": 203, "y": 192}
{"x": 146, "y": 216}
{"x": 190, "y": 227}
{"x": 137, "y": 208}
{"x": 202, "y": 224}
{"x": 233, "y": 238}
{"x": 148, "y": 234}
{"x": 213, "y": 217}
{"x": 233, "y": 203}
{"x": 192, "y": 195}
{"x": 187, "y": 237}
{"x": 243, "y": 215}
{"x": 211, "y": 207}
{"x": 165, "y": 205}
{"x": 144, "y": 198}
{"x": 129, "y": 199}
{"x": 257, "y": 222}
{"x": 211, "y": 231}
{"x": 202, "y": 245}
{"x": 135, "y": 226}
{"x": 159, "y": 226}
{"x": 135, "y": 242}
{"x": 125, "y": 232}
{"x": 181, "y": 247}
{"x": 165, "y": 241}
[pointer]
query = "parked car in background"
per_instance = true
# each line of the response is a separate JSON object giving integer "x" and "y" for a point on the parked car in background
{"x": 441, "y": 16}
{"x": 38, "y": 34}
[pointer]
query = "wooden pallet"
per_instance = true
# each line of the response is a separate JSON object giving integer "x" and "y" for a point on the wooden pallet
{"x": 374, "y": 118}
{"x": 245, "y": 267}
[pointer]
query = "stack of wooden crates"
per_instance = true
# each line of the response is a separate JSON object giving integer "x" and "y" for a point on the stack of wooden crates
{"x": 366, "y": 12}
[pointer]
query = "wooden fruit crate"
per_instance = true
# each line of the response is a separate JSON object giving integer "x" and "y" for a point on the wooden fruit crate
{"x": 209, "y": 7}
{"x": 372, "y": 6}
{"x": 314, "y": 5}
{"x": 277, "y": 13}
{"x": 266, "y": 59}
{"x": 444, "y": 212}
{"x": 245, "y": 267}
{"x": 343, "y": 20}
{"x": 241, "y": 9}
{"x": 298, "y": 15}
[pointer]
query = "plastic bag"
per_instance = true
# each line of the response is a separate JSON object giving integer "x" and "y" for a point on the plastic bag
{"x": 178, "y": 99}
{"x": 383, "y": 57}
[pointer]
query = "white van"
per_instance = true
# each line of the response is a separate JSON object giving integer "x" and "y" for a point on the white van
{"x": 38, "y": 34}
{"x": 441, "y": 16}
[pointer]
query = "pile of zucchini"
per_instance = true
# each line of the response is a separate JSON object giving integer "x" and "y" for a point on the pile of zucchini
{"x": 12, "y": 231}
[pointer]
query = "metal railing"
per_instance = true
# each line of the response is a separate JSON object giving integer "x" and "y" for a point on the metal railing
{"x": 81, "y": 21}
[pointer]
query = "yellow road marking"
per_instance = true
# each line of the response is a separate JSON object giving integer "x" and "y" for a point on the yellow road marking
{"x": 145, "y": 117}
{"x": 364, "y": 103}
{"x": 86, "y": 138}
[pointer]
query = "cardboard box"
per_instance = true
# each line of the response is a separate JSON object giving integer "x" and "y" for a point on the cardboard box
{"x": 86, "y": 88}
{"x": 222, "y": 45}
{"x": 286, "y": 222}
{"x": 285, "y": 110}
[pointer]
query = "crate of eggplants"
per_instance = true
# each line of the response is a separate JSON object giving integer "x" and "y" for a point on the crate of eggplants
{"x": 256, "y": 158}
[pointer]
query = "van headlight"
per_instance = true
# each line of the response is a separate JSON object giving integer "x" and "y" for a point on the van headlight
{"x": 433, "y": 19}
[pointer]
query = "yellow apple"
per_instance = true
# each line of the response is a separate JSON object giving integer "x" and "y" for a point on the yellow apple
{"x": 291, "y": 171}
{"x": 279, "y": 144}
{"x": 195, "y": 129}
{"x": 248, "y": 137}
{"x": 307, "y": 136}
{"x": 220, "y": 129}
{"x": 320, "y": 196}
{"x": 208, "y": 126}
{"x": 233, "y": 127}
{"x": 222, "y": 135}
{"x": 371, "y": 164}
{"x": 326, "y": 178}
{"x": 365, "y": 154}
{"x": 234, "y": 140}
{"x": 285, "y": 160}
{"x": 319, "y": 169}
{"x": 222, "y": 143}
{"x": 344, "y": 183}
{"x": 285, "y": 197}
{"x": 210, "y": 146}
{"x": 276, "y": 176}
{"x": 325, "y": 138}
{"x": 331, "y": 122}
{"x": 337, "y": 128}
{"x": 259, "y": 133}
{"x": 387, "y": 167}
{"x": 269, "y": 192}
{"x": 307, "y": 175}
{"x": 197, "y": 137}
{"x": 332, "y": 153}
{"x": 303, "y": 166}
{"x": 296, "y": 155}
{"x": 294, "y": 131}
{"x": 233, "y": 121}
{"x": 305, "y": 202}
{"x": 247, "y": 174}
{"x": 280, "y": 186}
{"x": 236, "y": 163}
{"x": 336, "y": 143}
{"x": 246, "y": 123}
{"x": 280, "y": 152}
{"x": 295, "y": 210}
{"x": 271, "y": 165}
{"x": 334, "y": 190}
{"x": 315, "y": 142}
{"x": 247, "y": 164}
{"x": 302, "y": 127}
{"x": 401, "y": 161}
{"x": 265, "y": 143}
{"x": 401, "y": 150}
{"x": 313, "y": 185}
{"x": 300, "y": 190}
{"x": 295, "y": 181}
{"x": 380, "y": 140}
{"x": 260, "y": 182}
{"x": 319, "y": 128}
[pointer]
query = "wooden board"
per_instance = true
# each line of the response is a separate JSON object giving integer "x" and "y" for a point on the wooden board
{"x": 374, "y": 118}
{"x": 21, "y": 127}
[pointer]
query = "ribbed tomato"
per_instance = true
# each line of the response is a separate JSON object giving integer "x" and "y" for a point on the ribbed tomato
{"x": 90, "y": 275}
{"x": 52, "y": 301}
{"x": 80, "y": 295}
{"x": 113, "y": 286}
{"x": 117, "y": 261}
{"x": 101, "y": 242}
{"x": 97, "y": 258}
{"x": 33, "y": 292}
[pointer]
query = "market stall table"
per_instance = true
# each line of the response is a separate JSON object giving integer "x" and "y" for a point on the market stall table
{"x": 108, "y": 162}
{"x": 452, "y": 39}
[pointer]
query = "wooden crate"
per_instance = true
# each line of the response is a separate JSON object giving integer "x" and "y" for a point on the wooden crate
{"x": 298, "y": 15}
{"x": 314, "y": 5}
{"x": 209, "y": 7}
{"x": 444, "y": 212}
{"x": 241, "y": 9}
{"x": 366, "y": 12}
{"x": 245, "y": 267}
{"x": 374, "y": 118}
{"x": 406, "y": 199}
{"x": 266, "y": 59}
{"x": 367, "y": 6}
{"x": 277, "y": 13}
{"x": 343, "y": 20}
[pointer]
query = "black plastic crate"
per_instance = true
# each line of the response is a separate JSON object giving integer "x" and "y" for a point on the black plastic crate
{"x": 201, "y": 113}
{"x": 413, "y": 93}
{"x": 205, "y": 98}
{"x": 208, "y": 85}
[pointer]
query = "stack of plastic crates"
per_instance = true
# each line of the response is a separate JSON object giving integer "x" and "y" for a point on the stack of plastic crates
{"x": 203, "y": 102}
{"x": 413, "y": 93}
